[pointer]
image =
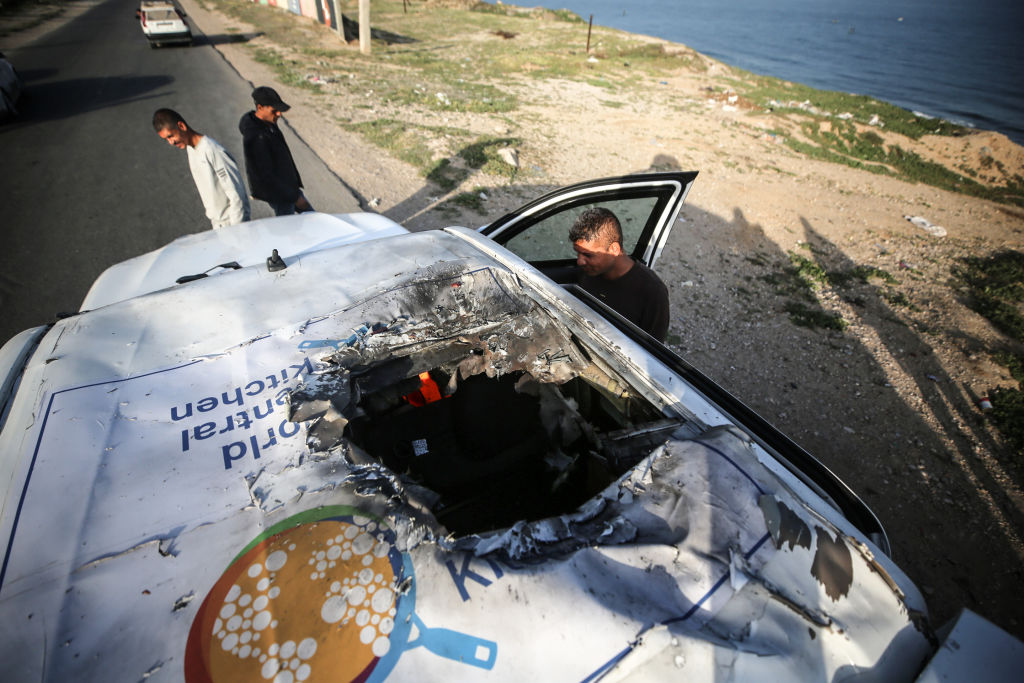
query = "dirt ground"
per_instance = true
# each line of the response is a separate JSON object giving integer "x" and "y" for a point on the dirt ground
{"x": 889, "y": 404}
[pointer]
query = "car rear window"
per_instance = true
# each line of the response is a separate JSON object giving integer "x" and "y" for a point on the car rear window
{"x": 161, "y": 15}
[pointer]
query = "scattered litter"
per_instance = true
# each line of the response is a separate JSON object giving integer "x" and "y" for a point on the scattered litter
{"x": 509, "y": 156}
{"x": 845, "y": 116}
{"x": 320, "y": 80}
{"x": 903, "y": 265}
{"x": 483, "y": 196}
{"x": 375, "y": 202}
{"x": 875, "y": 121}
{"x": 985, "y": 404}
{"x": 927, "y": 226}
{"x": 688, "y": 283}
{"x": 933, "y": 378}
{"x": 592, "y": 59}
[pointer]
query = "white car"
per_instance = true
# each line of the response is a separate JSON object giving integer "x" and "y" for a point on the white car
{"x": 320, "y": 447}
{"x": 163, "y": 23}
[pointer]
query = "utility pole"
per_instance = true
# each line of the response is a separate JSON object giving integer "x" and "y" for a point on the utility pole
{"x": 340, "y": 28}
{"x": 364, "y": 26}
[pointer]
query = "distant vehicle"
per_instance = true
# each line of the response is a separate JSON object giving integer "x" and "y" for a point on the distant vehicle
{"x": 321, "y": 447}
{"x": 11, "y": 87}
{"x": 163, "y": 23}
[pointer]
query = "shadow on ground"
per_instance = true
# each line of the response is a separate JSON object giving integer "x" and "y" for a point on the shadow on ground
{"x": 75, "y": 96}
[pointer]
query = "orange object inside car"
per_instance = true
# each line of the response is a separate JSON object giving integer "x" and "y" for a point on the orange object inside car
{"x": 428, "y": 392}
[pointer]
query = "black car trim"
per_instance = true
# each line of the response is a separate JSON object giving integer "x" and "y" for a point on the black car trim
{"x": 636, "y": 186}
{"x": 794, "y": 458}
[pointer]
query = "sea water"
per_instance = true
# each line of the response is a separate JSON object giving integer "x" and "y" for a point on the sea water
{"x": 960, "y": 60}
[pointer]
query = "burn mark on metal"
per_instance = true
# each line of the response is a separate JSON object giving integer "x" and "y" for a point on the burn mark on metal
{"x": 182, "y": 602}
{"x": 833, "y": 564}
{"x": 784, "y": 524}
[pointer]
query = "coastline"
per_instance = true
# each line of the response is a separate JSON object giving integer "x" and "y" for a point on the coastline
{"x": 887, "y": 402}
{"x": 889, "y": 51}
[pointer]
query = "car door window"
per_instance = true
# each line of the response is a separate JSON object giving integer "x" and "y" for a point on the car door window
{"x": 548, "y": 238}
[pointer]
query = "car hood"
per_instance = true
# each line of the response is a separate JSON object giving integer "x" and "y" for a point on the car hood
{"x": 246, "y": 244}
{"x": 178, "y": 502}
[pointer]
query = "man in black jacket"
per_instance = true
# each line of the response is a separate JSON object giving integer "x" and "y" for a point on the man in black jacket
{"x": 609, "y": 273}
{"x": 268, "y": 163}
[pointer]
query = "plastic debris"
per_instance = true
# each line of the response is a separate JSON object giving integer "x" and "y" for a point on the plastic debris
{"x": 927, "y": 226}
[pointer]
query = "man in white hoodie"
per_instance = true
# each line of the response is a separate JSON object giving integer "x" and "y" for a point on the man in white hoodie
{"x": 215, "y": 173}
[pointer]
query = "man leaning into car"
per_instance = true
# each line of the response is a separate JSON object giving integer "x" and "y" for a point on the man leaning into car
{"x": 609, "y": 273}
{"x": 214, "y": 170}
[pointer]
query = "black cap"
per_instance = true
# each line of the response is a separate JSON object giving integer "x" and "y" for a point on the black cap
{"x": 268, "y": 97}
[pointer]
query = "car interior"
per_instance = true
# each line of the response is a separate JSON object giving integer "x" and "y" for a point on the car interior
{"x": 484, "y": 399}
{"x": 505, "y": 448}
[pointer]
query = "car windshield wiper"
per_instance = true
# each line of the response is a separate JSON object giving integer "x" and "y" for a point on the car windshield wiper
{"x": 233, "y": 265}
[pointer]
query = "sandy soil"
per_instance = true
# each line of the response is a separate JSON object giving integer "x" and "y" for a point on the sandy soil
{"x": 889, "y": 404}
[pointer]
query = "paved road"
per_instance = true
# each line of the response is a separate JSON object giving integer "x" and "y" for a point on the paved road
{"x": 84, "y": 180}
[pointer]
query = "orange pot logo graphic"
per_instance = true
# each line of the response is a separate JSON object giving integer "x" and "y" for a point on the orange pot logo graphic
{"x": 316, "y": 598}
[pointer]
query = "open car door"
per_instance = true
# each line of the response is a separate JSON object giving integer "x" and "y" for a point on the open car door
{"x": 645, "y": 204}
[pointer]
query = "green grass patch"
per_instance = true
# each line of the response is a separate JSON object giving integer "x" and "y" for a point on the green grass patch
{"x": 1008, "y": 407}
{"x": 483, "y": 155}
{"x": 994, "y": 286}
{"x": 801, "y": 315}
{"x": 897, "y": 299}
{"x": 843, "y": 143}
{"x": 764, "y": 90}
{"x": 446, "y": 175}
{"x": 408, "y": 142}
{"x": 808, "y": 271}
{"x": 528, "y": 12}
{"x": 864, "y": 274}
{"x": 288, "y": 70}
{"x": 400, "y": 139}
{"x": 466, "y": 200}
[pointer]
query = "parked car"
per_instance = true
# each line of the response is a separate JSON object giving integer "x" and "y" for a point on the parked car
{"x": 163, "y": 23}
{"x": 11, "y": 87}
{"x": 322, "y": 447}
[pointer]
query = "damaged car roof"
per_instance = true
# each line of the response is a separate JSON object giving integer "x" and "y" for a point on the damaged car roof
{"x": 393, "y": 459}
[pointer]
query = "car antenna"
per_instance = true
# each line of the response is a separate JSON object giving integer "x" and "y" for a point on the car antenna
{"x": 275, "y": 262}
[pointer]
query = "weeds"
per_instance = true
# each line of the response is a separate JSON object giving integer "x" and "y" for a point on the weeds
{"x": 843, "y": 143}
{"x": 801, "y": 315}
{"x": 408, "y": 142}
{"x": 466, "y": 200}
{"x": 285, "y": 69}
{"x": 995, "y": 289}
{"x": 785, "y": 96}
{"x": 1008, "y": 406}
{"x": 483, "y": 155}
{"x": 994, "y": 286}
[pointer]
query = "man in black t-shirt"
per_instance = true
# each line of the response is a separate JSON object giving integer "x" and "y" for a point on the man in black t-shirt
{"x": 609, "y": 273}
